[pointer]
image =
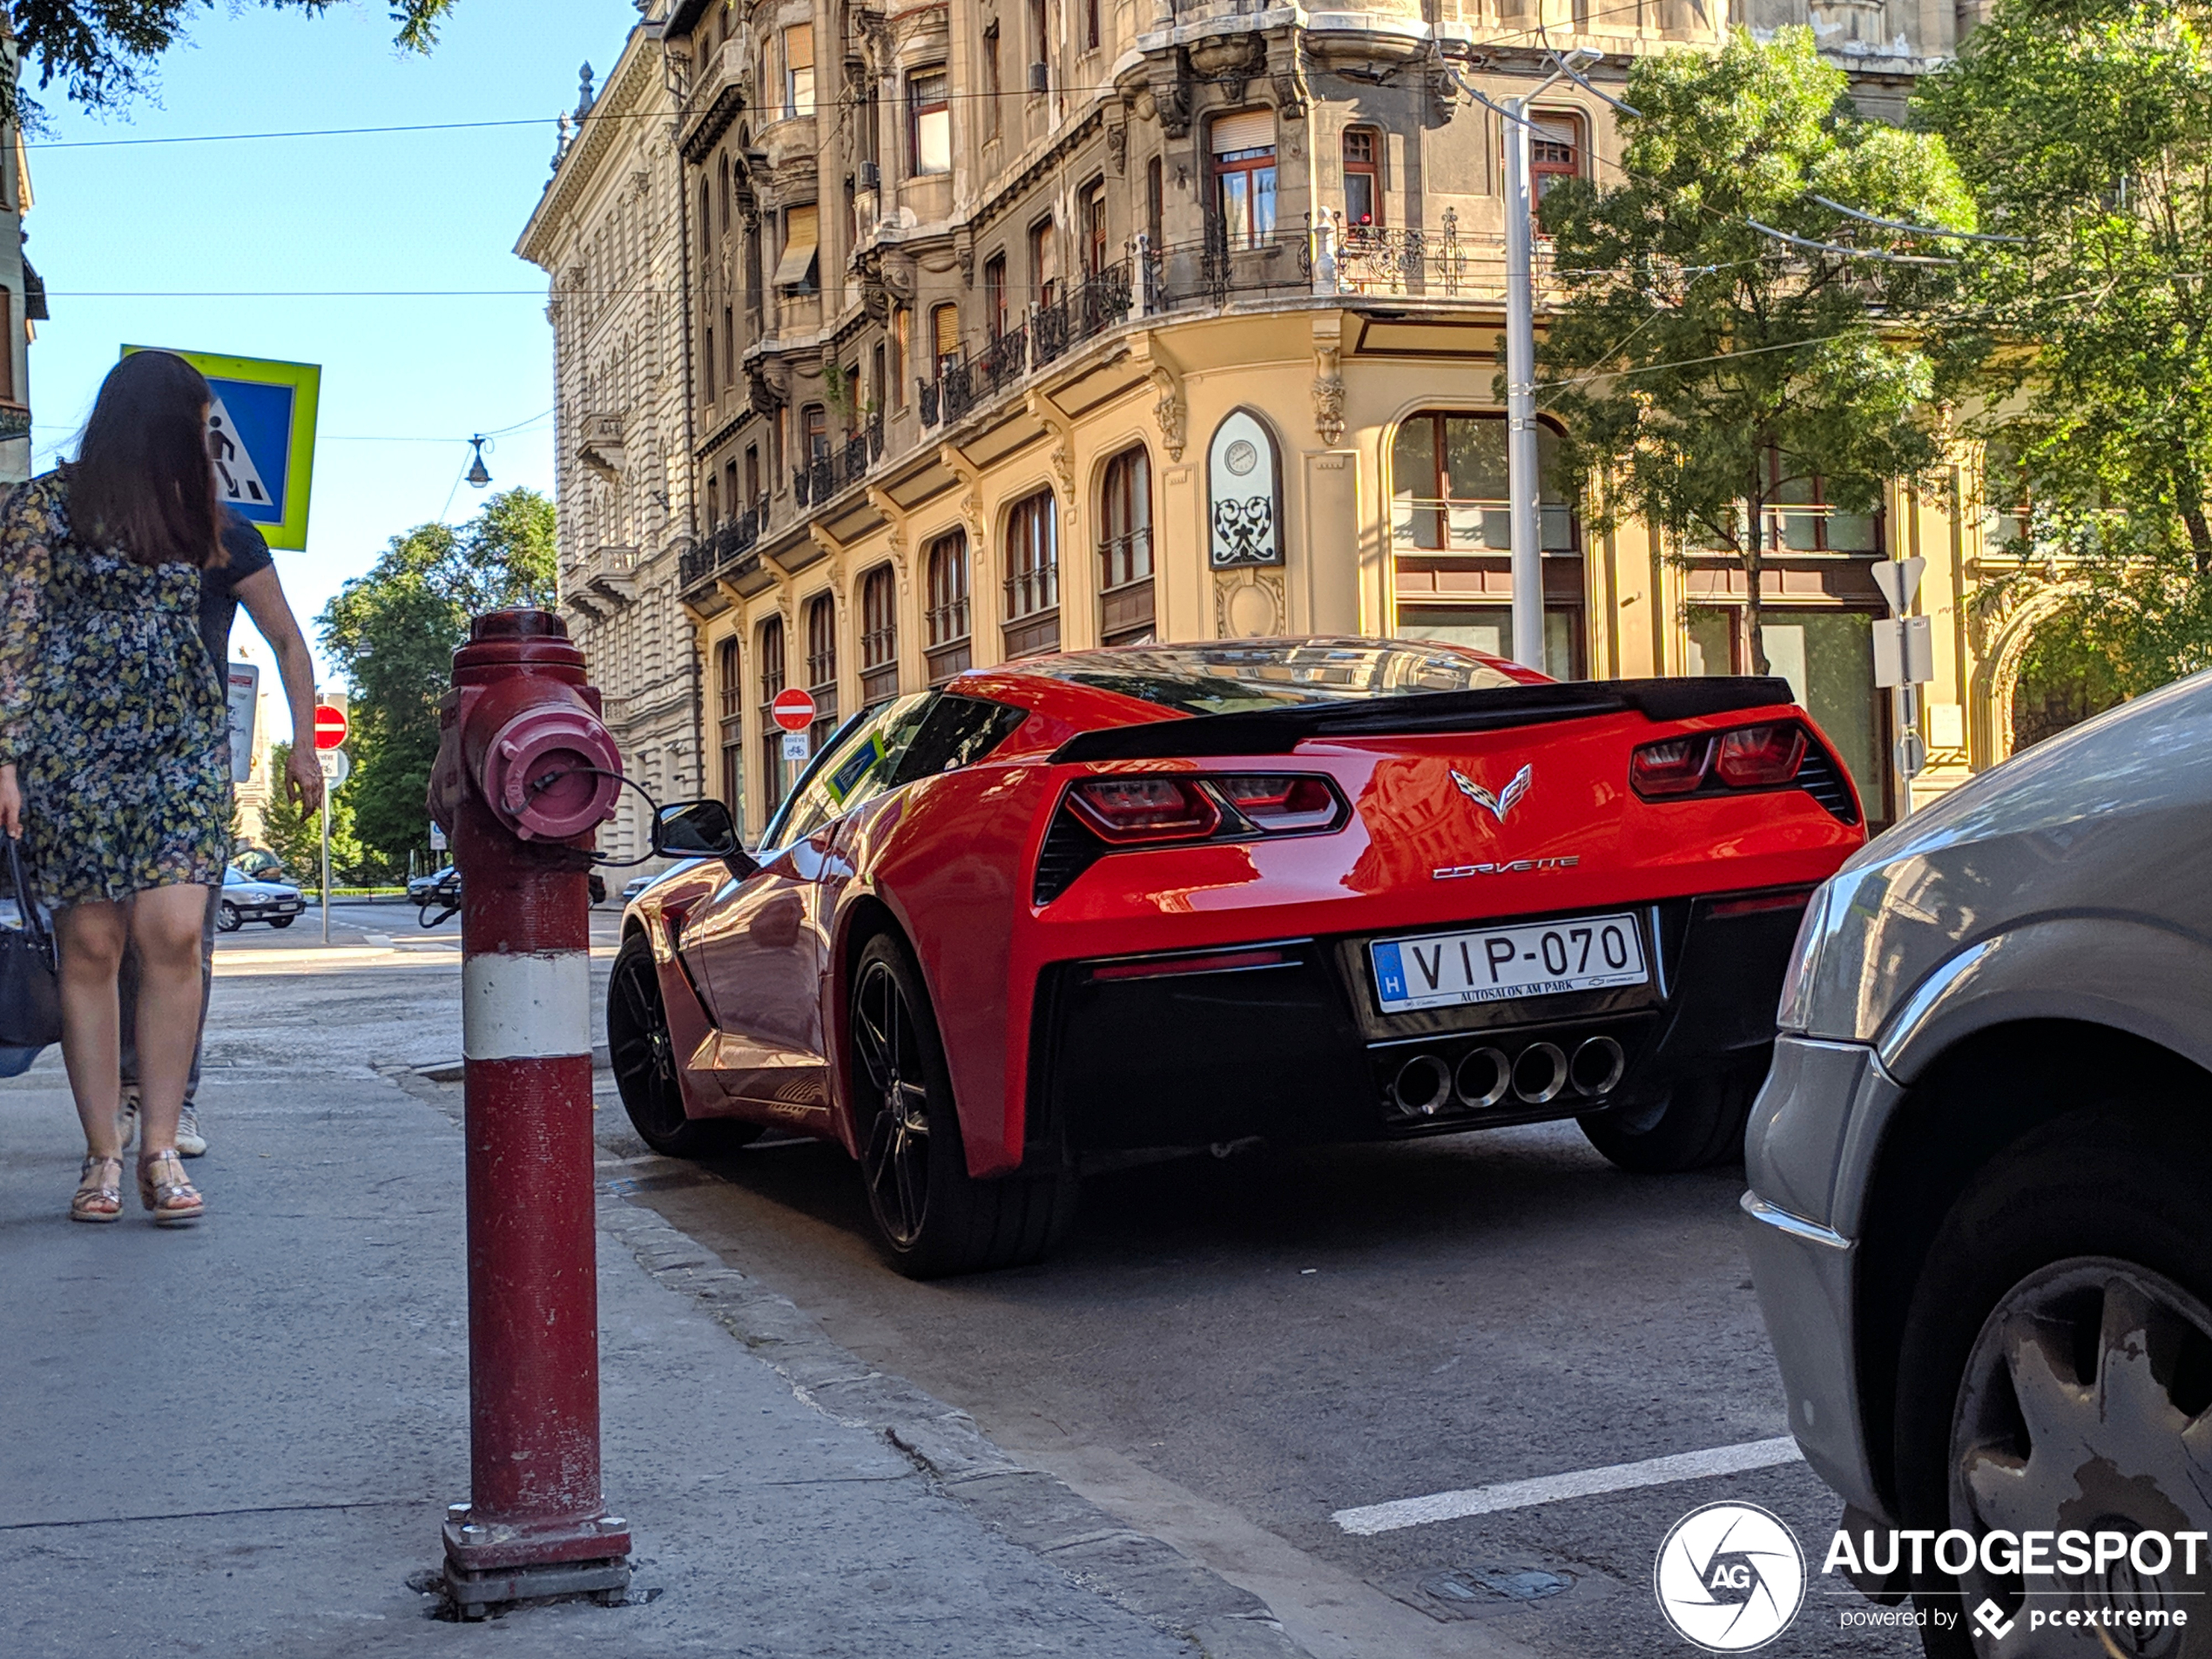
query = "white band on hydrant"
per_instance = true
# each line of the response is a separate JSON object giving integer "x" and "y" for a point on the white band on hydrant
{"x": 526, "y": 1008}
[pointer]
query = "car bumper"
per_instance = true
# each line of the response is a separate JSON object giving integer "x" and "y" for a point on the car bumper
{"x": 1283, "y": 1038}
{"x": 263, "y": 912}
{"x": 1805, "y": 1266}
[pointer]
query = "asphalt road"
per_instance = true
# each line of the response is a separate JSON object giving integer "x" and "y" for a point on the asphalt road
{"x": 1226, "y": 1352}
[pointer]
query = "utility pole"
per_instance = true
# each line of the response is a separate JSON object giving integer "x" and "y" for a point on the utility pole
{"x": 1524, "y": 514}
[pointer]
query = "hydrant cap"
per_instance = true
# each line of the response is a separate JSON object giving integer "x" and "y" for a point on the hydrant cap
{"x": 550, "y": 773}
{"x": 520, "y": 624}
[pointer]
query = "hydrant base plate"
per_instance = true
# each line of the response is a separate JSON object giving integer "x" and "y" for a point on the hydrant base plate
{"x": 472, "y": 1592}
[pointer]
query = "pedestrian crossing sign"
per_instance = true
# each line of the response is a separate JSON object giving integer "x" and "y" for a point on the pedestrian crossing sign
{"x": 261, "y": 438}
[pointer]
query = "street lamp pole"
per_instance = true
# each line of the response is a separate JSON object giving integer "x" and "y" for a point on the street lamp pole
{"x": 1524, "y": 516}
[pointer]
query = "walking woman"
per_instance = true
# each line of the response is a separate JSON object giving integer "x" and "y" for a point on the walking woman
{"x": 114, "y": 751}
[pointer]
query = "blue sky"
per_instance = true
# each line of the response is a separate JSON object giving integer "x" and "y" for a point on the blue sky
{"x": 392, "y": 212}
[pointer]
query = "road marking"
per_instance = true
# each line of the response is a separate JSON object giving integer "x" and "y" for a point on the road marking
{"x": 1582, "y": 1483}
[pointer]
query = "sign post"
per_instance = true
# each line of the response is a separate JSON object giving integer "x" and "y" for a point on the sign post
{"x": 793, "y": 711}
{"x": 1904, "y": 661}
{"x": 330, "y": 732}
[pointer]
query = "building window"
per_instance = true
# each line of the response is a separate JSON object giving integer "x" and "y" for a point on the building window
{"x": 710, "y": 391}
{"x": 878, "y": 634}
{"x": 945, "y": 621}
{"x": 713, "y": 503}
{"x": 814, "y": 421}
{"x": 730, "y": 481}
{"x": 902, "y": 329}
{"x": 994, "y": 294}
{"x": 1827, "y": 655}
{"x": 729, "y": 690}
{"x": 1244, "y": 172}
{"x": 822, "y": 666}
{"x": 772, "y": 767}
{"x": 799, "y": 70}
{"x": 994, "y": 82}
{"x": 1802, "y": 520}
{"x": 706, "y": 220}
{"x": 1044, "y": 264}
{"x": 1554, "y": 150}
{"x": 1094, "y": 229}
{"x": 1032, "y": 576}
{"x": 727, "y": 215}
{"x": 944, "y": 330}
{"x": 1090, "y": 25}
{"x": 752, "y": 474}
{"x": 729, "y": 347}
{"x": 1125, "y": 612}
{"x": 1362, "y": 176}
{"x": 802, "y": 234}
{"x": 1039, "y": 47}
{"x": 929, "y": 122}
{"x": 1155, "y": 200}
{"x": 1452, "y": 539}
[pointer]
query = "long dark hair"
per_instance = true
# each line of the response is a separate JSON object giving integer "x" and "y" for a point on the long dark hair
{"x": 143, "y": 481}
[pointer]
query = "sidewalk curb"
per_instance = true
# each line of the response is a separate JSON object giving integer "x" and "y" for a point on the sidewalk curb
{"x": 1028, "y": 1506}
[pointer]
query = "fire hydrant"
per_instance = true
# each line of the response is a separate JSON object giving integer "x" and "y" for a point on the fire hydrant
{"x": 525, "y": 772}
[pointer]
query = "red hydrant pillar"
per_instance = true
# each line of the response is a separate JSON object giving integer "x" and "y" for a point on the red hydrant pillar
{"x": 525, "y": 772}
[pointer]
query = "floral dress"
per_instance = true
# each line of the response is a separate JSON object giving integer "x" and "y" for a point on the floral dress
{"x": 115, "y": 719}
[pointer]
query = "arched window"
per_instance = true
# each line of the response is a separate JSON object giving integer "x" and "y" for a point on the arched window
{"x": 1032, "y": 576}
{"x": 878, "y": 636}
{"x": 773, "y": 768}
{"x": 1125, "y": 611}
{"x": 729, "y": 691}
{"x": 821, "y": 665}
{"x": 1363, "y": 207}
{"x": 945, "y": 621}
{"x": 1554, "y": 150}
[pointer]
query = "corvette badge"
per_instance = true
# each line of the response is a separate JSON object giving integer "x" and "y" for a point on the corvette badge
{"x": 1501, "y": 802}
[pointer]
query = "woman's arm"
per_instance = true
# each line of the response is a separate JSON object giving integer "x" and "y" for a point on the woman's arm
{"x": 25, "y": 565}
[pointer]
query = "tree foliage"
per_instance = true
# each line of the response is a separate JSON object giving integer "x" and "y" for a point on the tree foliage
{"x": 103, "y": 52}
{"x": 296, "y": 837}
{"x": 394, "y": 631}
{"x": 2085, "y": 126}
{"x": 1705, "y": 370}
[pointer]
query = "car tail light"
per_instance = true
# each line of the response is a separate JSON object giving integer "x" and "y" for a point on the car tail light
{"x": 1760, "y": 757}
{"x": 1675, "y": 768}
{"x": 1130, "y": 810}
{"x": 1278, "y": 803}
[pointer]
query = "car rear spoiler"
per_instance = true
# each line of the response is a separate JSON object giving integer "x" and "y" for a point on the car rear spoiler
{"x": 1272, "y": 731}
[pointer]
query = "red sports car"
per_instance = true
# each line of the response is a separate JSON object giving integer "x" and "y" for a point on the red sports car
{"x": 1180, "y": 895}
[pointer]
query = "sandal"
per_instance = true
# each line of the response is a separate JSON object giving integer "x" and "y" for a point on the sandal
{"x": 163, "y": 1189}
{"x": 99, "y": 1195}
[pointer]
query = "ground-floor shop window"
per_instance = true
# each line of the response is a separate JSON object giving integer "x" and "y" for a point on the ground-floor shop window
{"x": 1489, "y": 628}
{"x": 1828, "y": 658}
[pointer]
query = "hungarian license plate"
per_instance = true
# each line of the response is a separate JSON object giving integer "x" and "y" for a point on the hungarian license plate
{"x": 1496, "y": 964}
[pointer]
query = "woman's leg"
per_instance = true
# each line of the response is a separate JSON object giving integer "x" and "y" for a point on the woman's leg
{"x": 165, "y": 927}
{"x": 93, "y": 937}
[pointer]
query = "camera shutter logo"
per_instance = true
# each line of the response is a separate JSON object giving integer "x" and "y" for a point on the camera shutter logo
{"x": 1730, "y": 1577}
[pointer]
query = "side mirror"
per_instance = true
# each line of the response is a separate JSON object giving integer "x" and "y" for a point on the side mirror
{"x": 700, "y": 829}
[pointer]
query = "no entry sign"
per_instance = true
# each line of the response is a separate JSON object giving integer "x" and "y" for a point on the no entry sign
{"x": 330, "y": 726}
{"x": 793, "y": 708}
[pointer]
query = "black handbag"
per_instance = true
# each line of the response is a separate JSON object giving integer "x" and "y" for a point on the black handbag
{"x": 30, "y": 994}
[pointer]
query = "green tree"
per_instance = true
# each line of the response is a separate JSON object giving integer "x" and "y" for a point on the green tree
{"x": 2084, "y": 127}
{"x": 1706, "y": 371}
{"x": 394, "y": 631}
{"x": 296, "y": 837}
{"x": 103, "y": 52}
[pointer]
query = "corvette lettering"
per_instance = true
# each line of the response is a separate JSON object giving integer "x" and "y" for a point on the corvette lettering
{"x": 1515, "y": 867}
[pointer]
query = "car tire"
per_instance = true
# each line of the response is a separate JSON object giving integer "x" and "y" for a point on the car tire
{"x": 932, "y": 1218}
{"x": 644, "y": 1060}
{"x": 281, "y": 921}
{"x": 2070, "y": 1279}
{"x": 227, "y": 918}
{"x": 1697, "y": 1122}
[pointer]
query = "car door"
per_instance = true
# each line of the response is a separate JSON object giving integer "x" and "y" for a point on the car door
{"x": 761, "y": 945}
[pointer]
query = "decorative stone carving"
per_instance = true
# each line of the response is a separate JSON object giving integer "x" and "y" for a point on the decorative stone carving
{"x": 1117, "y": 147}
{"x": 1290, "y": 98}
{"x": 1172, "y": 413}
{"x": 1328, "y": 395}
{"x": 1244, "y": 493}
{"x": 1250, "y": 605}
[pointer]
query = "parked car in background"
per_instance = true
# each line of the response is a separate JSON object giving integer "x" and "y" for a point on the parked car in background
{"x": 1175, "y": 895}
{"x": 1982, "y": 1169}
{"x": 258, "y": 864}
{"x": 244, "y": 900}
{"x": 438, "y": 894}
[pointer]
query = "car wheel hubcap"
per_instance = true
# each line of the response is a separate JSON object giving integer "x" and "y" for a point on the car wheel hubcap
{"x": 2087, "y": 1405}
{"x": 895, "y": 1160}
{"x": 642, "y": 1056}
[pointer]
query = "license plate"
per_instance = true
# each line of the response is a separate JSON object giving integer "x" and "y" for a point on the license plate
{"x": 1496, "y": 964}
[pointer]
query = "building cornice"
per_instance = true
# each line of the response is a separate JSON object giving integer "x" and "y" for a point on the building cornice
{"x": 619, "y": 105}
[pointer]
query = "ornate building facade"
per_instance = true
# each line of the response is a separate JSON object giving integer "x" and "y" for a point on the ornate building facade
{"x": 608, "y": 232}
{"x": 1022, "y": 325}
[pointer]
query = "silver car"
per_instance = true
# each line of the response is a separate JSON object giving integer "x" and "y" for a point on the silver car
{"x": 1981, "y": 1186}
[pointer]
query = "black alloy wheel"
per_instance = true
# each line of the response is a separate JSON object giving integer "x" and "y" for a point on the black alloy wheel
{"x": 645, "y": 1064}
{"x": 2063, "y": 1318}
{"x": 227, "y": 918}
{"x": 932, "y": 1216}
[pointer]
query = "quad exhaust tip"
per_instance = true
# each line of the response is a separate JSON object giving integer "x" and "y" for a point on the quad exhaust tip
{"x": 1428, "y": 1084}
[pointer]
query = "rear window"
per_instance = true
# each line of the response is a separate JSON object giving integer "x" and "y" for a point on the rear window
{"x": 1229, "y": 679}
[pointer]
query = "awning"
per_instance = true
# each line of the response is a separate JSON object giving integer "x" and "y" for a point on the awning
{"x": 796, "y": 268}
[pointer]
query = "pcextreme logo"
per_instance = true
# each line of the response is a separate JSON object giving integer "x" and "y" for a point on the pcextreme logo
{"x": 1730, "y": 1577}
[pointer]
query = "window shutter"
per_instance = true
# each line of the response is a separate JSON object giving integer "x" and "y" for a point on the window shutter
{"x": 801, "y": 225}
{"x": 1244, "y": 129}
{"x": 947, "y": 322}
{"x": 799, "y": 46}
